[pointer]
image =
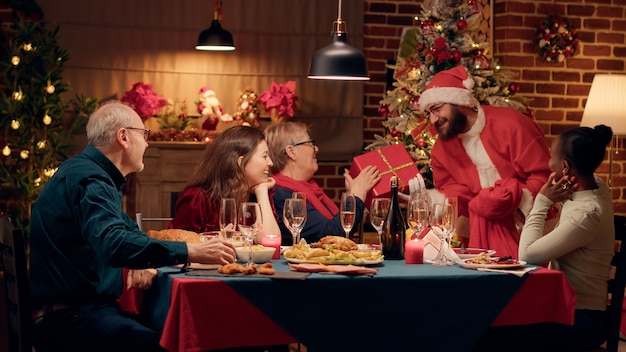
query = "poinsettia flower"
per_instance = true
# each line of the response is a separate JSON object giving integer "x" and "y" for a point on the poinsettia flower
{"x": 281, "y": 97}
{"x": 144, "y": 100}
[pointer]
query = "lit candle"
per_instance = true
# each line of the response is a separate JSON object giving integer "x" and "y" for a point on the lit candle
{"x": 274, "y": 242}
{"x": 414, "y": 251}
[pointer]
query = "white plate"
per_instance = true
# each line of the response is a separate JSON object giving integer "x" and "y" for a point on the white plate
{"x": 472, "y": 252}
{"x": 466, "y": 263}
{"x": 325, "y": 260}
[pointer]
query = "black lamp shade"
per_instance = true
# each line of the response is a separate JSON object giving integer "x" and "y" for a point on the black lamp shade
{"x": 215, "y": 38}
{"x": 339, "y": 61}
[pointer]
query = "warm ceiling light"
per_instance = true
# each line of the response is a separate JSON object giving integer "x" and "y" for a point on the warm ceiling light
{"x": 216, "y": 38}
{"x": 339, "y": 61}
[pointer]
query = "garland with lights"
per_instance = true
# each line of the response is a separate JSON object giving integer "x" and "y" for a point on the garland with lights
{"x": 556, "y": 39}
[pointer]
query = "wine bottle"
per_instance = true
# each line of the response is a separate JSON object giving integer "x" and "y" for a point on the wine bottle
{"x": 394, "y": 226}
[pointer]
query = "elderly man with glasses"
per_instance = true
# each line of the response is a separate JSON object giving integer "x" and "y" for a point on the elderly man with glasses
{"x": 493, "y": 159}
{"x": 81, "y": 240}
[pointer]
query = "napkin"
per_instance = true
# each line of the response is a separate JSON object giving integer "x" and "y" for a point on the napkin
{"x": 517, "y": 272}
{"x": 431, "y": 247}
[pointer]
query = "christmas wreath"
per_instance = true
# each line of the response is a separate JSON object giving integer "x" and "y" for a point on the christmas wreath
{"x": 556, "y": 39}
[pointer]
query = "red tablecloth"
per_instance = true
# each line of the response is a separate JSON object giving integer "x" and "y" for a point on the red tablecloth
{"x": 201, "y": 314}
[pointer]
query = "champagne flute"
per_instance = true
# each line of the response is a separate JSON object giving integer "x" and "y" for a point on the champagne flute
{"x": 250, "y": 223}
{"x": 228, "y": 217}
{"x": 294, "y": 216}
{"x": 417, "y": 215}
{"x": 378, "y": 214}
{"x": 453, "y": 208}
{"x": 347, "y": 212}
{"x": 440, "y": 217}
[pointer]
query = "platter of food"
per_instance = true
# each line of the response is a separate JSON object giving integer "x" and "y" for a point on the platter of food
{"x": 466, "y": 253}
{"x": 334, "y": 261}
{"x": 484, "y": 260}
{"x": 332, "y": 250}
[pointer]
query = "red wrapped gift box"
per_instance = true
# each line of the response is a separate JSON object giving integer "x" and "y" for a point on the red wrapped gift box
{"x": 390, "y": 160}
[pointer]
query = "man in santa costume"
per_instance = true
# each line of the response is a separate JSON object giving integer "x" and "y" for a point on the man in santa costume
{"x": 493, "y": 159}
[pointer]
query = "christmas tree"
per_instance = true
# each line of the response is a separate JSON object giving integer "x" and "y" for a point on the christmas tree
{"x": 37, "y": 126}
{"x": 448, "y": 33}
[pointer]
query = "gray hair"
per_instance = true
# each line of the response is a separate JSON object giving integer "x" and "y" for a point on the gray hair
{"x": 104, "y": 123}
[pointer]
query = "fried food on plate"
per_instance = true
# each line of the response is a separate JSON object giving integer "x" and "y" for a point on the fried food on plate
{"x": 337, "y": 242}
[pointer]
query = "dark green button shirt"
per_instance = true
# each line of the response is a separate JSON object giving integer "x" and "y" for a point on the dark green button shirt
{"x": 80, "y": 238}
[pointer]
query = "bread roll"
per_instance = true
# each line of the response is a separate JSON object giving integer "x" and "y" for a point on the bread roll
{"x": 176, "y": 235}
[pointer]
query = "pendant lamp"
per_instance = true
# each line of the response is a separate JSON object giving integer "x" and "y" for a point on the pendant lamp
{"x": 216, "y": 38}
{"x": 339, "y": 61}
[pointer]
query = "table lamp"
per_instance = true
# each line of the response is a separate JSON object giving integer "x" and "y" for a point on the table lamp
{"x": 606, "y": 105}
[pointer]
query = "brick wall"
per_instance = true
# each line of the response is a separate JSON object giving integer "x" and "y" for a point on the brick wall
{"x": 558, "y": 91}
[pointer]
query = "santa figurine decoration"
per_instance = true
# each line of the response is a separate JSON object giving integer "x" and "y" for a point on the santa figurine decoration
{"x": 211, "y": 112}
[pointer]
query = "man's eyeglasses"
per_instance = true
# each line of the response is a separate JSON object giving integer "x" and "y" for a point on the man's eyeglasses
{"x": 433, "y": 110}
{"x": 145, "y": 131}
{"x": 310, "y": 142}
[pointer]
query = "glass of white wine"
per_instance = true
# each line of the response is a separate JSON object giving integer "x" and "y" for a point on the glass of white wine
{"x": 294, "y": 216}
{"x": 417, "y": 215}
{"x": 228, "y": 217}
{"x": 347, "y": 212}
{"x": 250, "y": 222}
{"x": 378, "y": 214}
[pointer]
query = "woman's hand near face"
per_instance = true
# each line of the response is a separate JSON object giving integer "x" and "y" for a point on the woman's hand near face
{"x": 363, "y": 183}
{"x": 558, "y": 191}
{"x": 263, "y": 187}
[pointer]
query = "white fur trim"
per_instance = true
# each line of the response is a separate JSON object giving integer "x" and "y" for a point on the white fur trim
{"x": 468, "y": 83}
{"x": 456, "y": 96}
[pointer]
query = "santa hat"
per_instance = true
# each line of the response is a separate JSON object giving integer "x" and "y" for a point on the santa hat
{"x": 453, "y": 86}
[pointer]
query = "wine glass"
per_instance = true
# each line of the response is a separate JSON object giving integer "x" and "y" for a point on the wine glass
{"x": 294, "y": 216}
{"x": 440, "y": 217}
{"x": 299, "y": 195}
{"x": 250, "y": 223}
{"x": 347, "y": 212}
{"x": 453, "y": 204}
{"x": 417, "y": 215}
{"x": 228, "y": 217}
{"x": 378, "y": 215}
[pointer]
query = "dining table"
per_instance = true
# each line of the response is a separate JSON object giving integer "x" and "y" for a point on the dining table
{"x": 401, "y": 307}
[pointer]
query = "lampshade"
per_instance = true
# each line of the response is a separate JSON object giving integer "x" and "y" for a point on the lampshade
{"x": 216, "y": 38}
{"x": 606, "y": 104}
{"x": 339, "y": 61}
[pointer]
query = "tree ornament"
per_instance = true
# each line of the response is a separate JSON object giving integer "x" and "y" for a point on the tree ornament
{"x": 18, "y": 96}
{"x": 50, "y": 88}
{"x": 383, "y": 110}
{"x": 47, "y": 119}
{"x": 461, "y": 24}
{"x": 6, "y": 151}
{"x": 15, "y": 124}
{"x": 513, "y": 87}
{"x": 395, "y": 133}
{"x": 41, "y": 144}
{"x": 24, "y": 154}
{"x": 15, "y": 60}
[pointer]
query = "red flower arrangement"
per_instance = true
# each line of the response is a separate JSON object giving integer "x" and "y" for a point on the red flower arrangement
{"x": 556, "y": 39}
{"x": 144, "y": 100}
{"x": 281, "y": 97}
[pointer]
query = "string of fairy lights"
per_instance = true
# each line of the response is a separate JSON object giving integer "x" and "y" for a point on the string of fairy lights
{"x": 18, "y": 97}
